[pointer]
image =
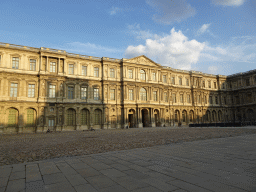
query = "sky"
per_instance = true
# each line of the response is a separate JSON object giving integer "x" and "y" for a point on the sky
{"x": 211, "y": 36}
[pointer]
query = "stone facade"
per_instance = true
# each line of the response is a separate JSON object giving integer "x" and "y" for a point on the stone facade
{"x": 43, "y": 88}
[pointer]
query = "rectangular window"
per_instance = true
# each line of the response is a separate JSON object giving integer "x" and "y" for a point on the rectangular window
{"x": 153, "y": 76}
{"x": 131, "y": 94}
{"x": 15, "y": 62}
{"x": 130, "y": 72}
{"x": 32, "y": 64}
{"x": 210, "y": 99}
{"x": 173, "y": 80}
{"x": 96, "y": 94}
{"x": 198, "y": 99}
{"x": 205, "y": 99}
{"x": 181, "y": 98}
{"x": 14, "y": 90}
{"x": 216, "y": 100}
{"x": 31, "y": 90}
{"x": 155, "y": 95}
{"x": 84, "y": 70}
{"x": 180, "y": 81}
{"x": 165, "y": 97}
{"x": 112, "y": 94}
{"x": 30, "y": 117}
{"x": 174, "y": 98}
{"x": 215, "y": 85}
{"x": 203, "y": 83}
{"x": 188, "y": 99}
{"x": 83, "y": 93}
{"x": 164, "y": 79}
{"x": 70, "y": 92}
{"x": 71, "y": 69}
{"x": 112, "y": 73}
{"x": 52, "y": 91}
{"x": 187, "y": 82}
{"x": 52, "y": 67}
{"x": 247, "y": 82}
{"x": 96, "y": 72}
{"x": 209, "y": 84}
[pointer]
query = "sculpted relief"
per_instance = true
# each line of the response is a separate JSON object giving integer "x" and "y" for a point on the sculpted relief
{"x": 142, "y": 60}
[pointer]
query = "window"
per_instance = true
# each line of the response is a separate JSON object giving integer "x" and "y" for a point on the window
{"x": 188, "y": 99}
{"x": 96, "y": 94}
{"x": 210, "y": 99}
{"x": 180, "y": 81}
{"x": 84, "y": 70}
{"x": 174, "y": 98}
{"x": 14, "y": 90}
{"x": 173, "y": 80}
{"x": 15, "y": 62}
{"x": 112, "y": 94}
{"x": 155, "y": 95}
{"x": 112, "y": 73}
{"x": 130, "y": 72}
{"x": 32, "y": 65}
{"x": 71, "y": 117}
{"x": 31, "y": 90}
{"x": 52, "y": 67}
{"x": 70, "y": 92}
{"x": 165, "y": 97}
{"x": 153, "y": 76}
{"x": 198, "y": 99}
{"x": 83, "y": 93}
{"x": 97, "y": 117}
{"x": 225, "y": 100}
{"x": 131, "y": 94}
{"x": 71, "y": 69}
{"x": 13, "y": 117}
{"x": 30, "y": 117}
{"x": 84, "y": 117}
{"x": 96, "y": 72}
{"x": 203, "y": 83}
{"x": 142, "y": 75}
{"x": 249, "y": 97}
{"x": 52, "y": 91}
{"x": 143, "y": 94}
{"x": 215, "y": 85}
{"x": 247, "y": 82}
{"x": 164, "y": 78}
{"x": 209, "y": 84}
{"x": 216, "y": 100}
{"x": 205, "y": 99}
{"x": 187, "y": 82}
{"x": 181, "y": 98}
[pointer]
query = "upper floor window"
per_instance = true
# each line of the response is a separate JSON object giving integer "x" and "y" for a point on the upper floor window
{"x": 164, "y": 79}
{"x": 142, "y": 75}
{"x": 198, "y": 99}
{"x": 215, "y": 85}
{"x": 209, "y": 84}
{"x": 187, "y": 82}
{"x": 31, "y": 90}
{"x": 205, "y": 99}
{"x": 181, "y": 98}
{"x": 83, "y": 93}
{"x": 96, "y": 72}
{"x": 96, "y": 94}
{"x": 210, "y": 99}
{"x": 188, "y": 99}
{"x": 112, "y": 73}
{"x": 70, "y": 92}
{"x": 32, "y": 65}
{"x": 52, "y": 91}
{"x": 52, "y": 67}
{"x": 84, "y": 70}
{"x": 130, "y": 72}
{"x": 153, "y": 76}
{"x": 180, "y": 81}
{"x": 165, "y": 97}
{"x": 112, "y": 94}
{"x": 131, "y": 94}
{"x": 14, "y": 90}
{"x": 216, "y": 100}
{"x": 247, "y": 82}
{"x": 155, "y": 95}
{"x": 143, "y": 94}
{"x": 203, "y": 83}
{"x": 71, "y": 69}
{"x": 225, "y": 100}
{"x": 173, "y": 80}
{"x": 15, "y": 62}
{"x": 174, "y": 98}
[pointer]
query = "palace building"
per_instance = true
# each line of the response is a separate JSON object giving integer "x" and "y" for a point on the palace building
{"x": 43, "y": 88}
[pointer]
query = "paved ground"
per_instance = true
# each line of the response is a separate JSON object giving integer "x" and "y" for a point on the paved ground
{"x": 222, "y": 164}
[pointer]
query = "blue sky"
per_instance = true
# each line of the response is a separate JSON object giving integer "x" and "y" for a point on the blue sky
{"x": 212, "y": 36}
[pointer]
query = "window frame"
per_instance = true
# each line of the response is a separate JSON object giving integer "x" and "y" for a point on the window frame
{"x": 15, "y": 62}
{"x": 31, "y": 90}
{"x": 96, "y": 96}
{"x": 142, "y": 75}
{"x": 70, "y": 91}
{"x": 112, "y": 94}
{"x": 131, "y": 94}
{"x": 130, "y": 73}
{"x": 71, "y": 68}
{"x": 112, "y": 73}
{"x": 52, "y": 92}
{"x": 154, "y": 76}
{"x": 143, "y": 95}
{"x": 155, "y": 96}
{"x": 164, "y": 79}
{"x": 83, "y": 96}
{"x": 32, "y": 64}
{"x": 96, "y": 71}
{"x": 14, "y": 89}
{"x": 84, "y": 70}
{"x": 51, "y": 67}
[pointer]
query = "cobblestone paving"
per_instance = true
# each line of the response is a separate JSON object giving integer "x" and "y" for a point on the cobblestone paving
{"x": 20, "y": 148}
{"x": 220, "y": 164}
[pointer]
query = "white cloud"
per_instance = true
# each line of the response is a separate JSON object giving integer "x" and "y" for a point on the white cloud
{"x": 213, "y": 69}
{"x": 203, "y": 29}
{"x": 138, "y": 33}
{"x": 115, "y": 10}
{"x": 168, "y": 11}
{"x": 229, "y": 2}
{"x": 174, "y": 50}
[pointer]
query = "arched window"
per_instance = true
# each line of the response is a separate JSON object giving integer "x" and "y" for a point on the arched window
{"x": 184, "y": 116}
{"x": 213, "y": 116}
{"x": 177, "y": 116}
{"x": 30, "y": 117}
{"x": 71, "y": 117}
{"x": 142, "y": 75}
{"x": 85, "y": 115}
{"x": 143, "y": 94}
{"x": 207, "y": 116}
{"x": 191, "y": 116}
{"x": 12, "y": 117}
{"x": 219, "y": 115}
{"x": 97, "y": 117}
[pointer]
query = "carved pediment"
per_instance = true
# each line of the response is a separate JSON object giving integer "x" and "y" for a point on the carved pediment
{"x": 142, "y": 60}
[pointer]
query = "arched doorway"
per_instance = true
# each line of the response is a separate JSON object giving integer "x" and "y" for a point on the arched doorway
{"x": 71, "y": 118}
{"x": 144, "y": 117}
{"x": 131, "y": 118}
{"x": 191, "y": 116}
{"x": 214, "y": 116}
{"x": 177, "y": 116}
{"x": 219, "y": 116}
{"x": 13, "y": 117}
{"x": 85, "y": 117}
{"x": 184, "y": 116}
{"x": 157, "y": 119}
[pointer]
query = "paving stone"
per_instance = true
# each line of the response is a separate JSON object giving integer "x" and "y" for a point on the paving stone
{"x": 100, "y": 181}
{"x": 66, "y": 169}
{"x": 115, "y": 188}
{"x": 76, "y": 180}
{"x": 17, "y": 175}
{"x": 78, "y": 166}
{"x": 5, "y": 171}
{"x": 100, "y": 166}
{"x": 139, "y": 168}
{"x": 187, "y": 186}
{"x": 3, "y": 181}
{"x": 33, "y": 176}
{"x": 59, "y": 187}
{"x": 16, "y": 185}
{"x": 2, "y": 189}
{"x": 85, "y": 188}
{"x": 108, "y": 161}
{"x": 18, "y": 168}
{"x": 130, "y": 183}
{"x": 112, "y": 173}
{"x": 54, "y": 178}
{"x": 157, "y": 183}
{"x": 89, "y": 172}
{"x": 120, "y": 167}
{"x": 48, "y": 169}
{"x": 147, "y": 189}
{"x": 89, "y": 160}
{"x": 136, "y": 174}
{"x": 35, "y": 186}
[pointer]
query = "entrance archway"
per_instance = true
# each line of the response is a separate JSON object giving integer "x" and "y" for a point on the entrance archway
{"x": 131, "y": 118}
{"x": 156, "y": 116}
{"x": 144, "y": 117}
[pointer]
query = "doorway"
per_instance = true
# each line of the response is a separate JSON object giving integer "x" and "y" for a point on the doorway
{"x": 144, "y": 115}
{"x": 130, "y": 123}
{"x": 51, "y": 124}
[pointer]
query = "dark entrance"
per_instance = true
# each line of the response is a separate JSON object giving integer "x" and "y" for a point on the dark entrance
{"x": 144, "y": 115}
{"x": 131, "y": 124}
